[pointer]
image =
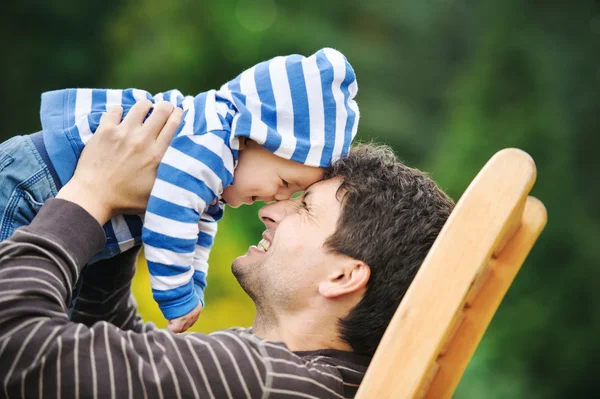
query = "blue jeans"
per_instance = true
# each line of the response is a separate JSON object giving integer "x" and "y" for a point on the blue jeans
{"x": 26, "y": 182}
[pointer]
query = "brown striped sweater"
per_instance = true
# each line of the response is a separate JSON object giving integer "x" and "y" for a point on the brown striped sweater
{"x": 106, "y": 351}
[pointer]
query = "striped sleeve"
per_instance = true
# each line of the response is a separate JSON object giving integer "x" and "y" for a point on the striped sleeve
{"x": 42, "y": 354}
{"x": 105, "y": 294}
{"x": 75, "y": 113}
{"x": 178, "y": 227}
{"x": 192, "y": 174}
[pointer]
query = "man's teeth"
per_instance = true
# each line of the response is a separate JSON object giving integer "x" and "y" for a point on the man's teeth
{"x": 263, "y": 245}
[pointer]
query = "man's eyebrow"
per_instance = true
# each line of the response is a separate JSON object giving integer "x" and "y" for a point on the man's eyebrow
{"x": 307, "y": 192}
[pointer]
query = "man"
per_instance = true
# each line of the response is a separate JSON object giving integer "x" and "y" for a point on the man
{"x": 326, "y": 279}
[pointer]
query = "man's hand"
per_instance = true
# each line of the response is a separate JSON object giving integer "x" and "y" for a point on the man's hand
{"x": 117, "y": 168}
{"x": 181, "y": 324}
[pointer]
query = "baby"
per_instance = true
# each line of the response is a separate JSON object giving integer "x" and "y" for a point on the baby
{"x": 262, "y": 136}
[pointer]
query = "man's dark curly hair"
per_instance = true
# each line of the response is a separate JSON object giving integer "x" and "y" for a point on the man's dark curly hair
{"x": 391, "y": 215}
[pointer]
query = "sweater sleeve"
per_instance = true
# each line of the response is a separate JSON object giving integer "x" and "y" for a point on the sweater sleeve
{"x": 105, "y": 294}
{"x": 42, "y": 354}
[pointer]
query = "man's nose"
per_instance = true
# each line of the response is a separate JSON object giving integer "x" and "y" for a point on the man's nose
{"x": 274, "y": 213}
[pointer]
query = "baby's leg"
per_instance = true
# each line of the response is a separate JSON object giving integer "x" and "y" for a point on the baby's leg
{"x": 26, "y": 184}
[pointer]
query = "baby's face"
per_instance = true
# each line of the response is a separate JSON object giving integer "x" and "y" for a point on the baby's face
{"x": 262, "y": 175}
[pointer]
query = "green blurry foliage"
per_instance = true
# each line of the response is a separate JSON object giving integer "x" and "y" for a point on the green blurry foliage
{"x": 445, "y": 83}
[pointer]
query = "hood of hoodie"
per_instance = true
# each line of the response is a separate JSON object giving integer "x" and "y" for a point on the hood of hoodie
{"x": 299, "y": 108}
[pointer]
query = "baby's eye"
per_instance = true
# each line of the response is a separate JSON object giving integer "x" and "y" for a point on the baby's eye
{"x": 285, "y": 184}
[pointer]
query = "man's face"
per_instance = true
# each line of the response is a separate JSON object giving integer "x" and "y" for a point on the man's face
{"x": 285, "y": 268}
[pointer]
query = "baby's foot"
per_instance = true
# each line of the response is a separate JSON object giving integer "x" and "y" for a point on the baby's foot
{"x": 184, "y": 322}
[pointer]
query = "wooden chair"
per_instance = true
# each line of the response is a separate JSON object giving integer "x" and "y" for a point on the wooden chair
{"x": 461, "y": 283}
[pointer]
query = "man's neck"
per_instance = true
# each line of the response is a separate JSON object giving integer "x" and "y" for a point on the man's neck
{"x": 301, "y": 331}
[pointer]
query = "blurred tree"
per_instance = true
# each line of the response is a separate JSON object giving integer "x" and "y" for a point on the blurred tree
{"x": 46, "y": 46}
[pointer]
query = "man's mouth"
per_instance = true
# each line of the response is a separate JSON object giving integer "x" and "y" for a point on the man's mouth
{"x": 264, "y": 244}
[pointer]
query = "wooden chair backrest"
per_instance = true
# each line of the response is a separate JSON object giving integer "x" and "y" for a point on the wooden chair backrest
{"x": 446, "y": 310}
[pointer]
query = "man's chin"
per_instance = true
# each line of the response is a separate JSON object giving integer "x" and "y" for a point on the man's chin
{"x": 243, "y": 266}
{"x": 243, "y": 272}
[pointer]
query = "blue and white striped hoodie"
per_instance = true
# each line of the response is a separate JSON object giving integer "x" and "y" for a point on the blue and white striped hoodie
{"x": 299, "y": 108}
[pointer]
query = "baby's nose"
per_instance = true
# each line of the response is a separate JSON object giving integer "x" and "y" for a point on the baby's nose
{"x": 266, "y": 199}
{"x": 282, "y": 195}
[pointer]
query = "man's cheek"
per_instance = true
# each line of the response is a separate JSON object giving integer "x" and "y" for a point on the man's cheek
{"x": 293, "y": 250}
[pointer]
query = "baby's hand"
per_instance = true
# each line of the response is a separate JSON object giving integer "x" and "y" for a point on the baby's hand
{"x": 184, "y": 322}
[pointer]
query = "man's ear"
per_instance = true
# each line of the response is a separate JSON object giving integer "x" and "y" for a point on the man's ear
{"x": 350, "y": 277}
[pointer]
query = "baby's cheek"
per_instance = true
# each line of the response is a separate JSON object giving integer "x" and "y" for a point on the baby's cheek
{"x": 248, "y": 187}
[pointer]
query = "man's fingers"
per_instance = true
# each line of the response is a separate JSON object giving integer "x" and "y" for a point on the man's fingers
{"x": 136, "y": 114}
{"x": 157, "y": 120}
{"x": 112, "y": 117}
{"x": 169, "y": 129}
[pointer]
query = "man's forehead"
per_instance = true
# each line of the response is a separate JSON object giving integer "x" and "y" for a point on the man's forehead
{"x": 323, "y": 191}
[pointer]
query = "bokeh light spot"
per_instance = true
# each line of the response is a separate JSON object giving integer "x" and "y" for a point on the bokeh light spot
{"x": 256, "y": 15}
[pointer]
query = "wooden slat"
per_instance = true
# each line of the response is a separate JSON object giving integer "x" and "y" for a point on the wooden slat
{"x": 486, "y": 215}
{"x": 479, "y": 314}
